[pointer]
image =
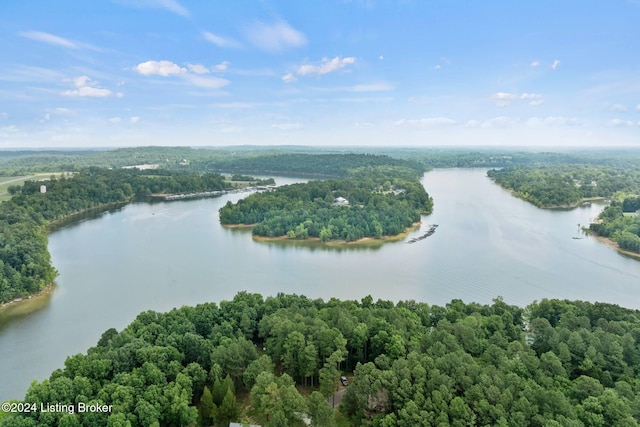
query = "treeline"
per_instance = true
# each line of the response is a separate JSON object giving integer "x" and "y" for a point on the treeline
{"x": 555, "y": 363}
{"x": 25, "y": 264}
{"x": 622, "y": 229}
{"x": 371, "y": 205}
{"x": 565, "y": 185}
{"x": 299, "y": 164}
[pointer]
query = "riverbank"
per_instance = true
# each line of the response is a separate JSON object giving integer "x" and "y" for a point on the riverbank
{"x": 20, "y": 301}
{"x": 576, "y": 204}
{"x": 365, "y": 241}
{"x": 613, "y": 245}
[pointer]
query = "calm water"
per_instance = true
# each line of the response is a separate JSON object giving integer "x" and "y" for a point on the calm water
{"x": 165, "y": 255}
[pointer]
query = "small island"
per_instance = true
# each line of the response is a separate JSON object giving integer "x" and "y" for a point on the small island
{"x": 379, "y": 202}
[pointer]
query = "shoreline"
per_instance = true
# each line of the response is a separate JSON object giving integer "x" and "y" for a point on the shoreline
{"x": 365, "y": 241}
{"x": 19, "y": 301}
{"x": 576, "y": 204}
{"x": 613, "y": 245}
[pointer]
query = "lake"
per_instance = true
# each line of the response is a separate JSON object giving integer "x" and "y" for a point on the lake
{"x": 164, "y": 255}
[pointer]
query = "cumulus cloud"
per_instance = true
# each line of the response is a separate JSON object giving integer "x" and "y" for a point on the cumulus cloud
{"x": 85, "y": 87}
{"x": 159, "y": 68}
{"x": 535, "y": 64}
{"x": 289, "y": 78}
{"x": 326, "y": 66}
{"x": 555, "y": 64}
{"x": 428, "y": 122}
{"x": 287, "y": 126}
{"x": 220, "y": 41}
{"x": 504, "y": 98}
{"x": 198, "y": 68}
{"x": 274, "y": 37}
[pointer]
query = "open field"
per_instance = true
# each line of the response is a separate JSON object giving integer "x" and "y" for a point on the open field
{"x": 7, "y": 181}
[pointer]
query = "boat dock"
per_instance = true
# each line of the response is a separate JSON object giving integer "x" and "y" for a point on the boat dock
{"x": 430, "y": 231}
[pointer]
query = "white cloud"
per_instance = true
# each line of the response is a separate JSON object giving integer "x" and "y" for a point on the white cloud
{"x": 638, "y": 108}
{"x": 504, "y": 98}
{"x": 134, "y": 119}
{"x": 535, "y": 64}
{"x": 363, "y": 124}
{"x": 4, "y": 116}
{"x": 50, "y": 39}
{"x": 169, "y": 5}
{"x": 530, "y": 96}
{"x": 220, "y": 41}
{"x": 429, "y": 122}
{"x": 499, "y": 122}
{"x": 115, "y": 120}
{"x": 223, "y": 66}
{"x": 289, "y": 78}
{"x": 326, "y": 66}
{"x": 287, "y": 126}
{"x": 380, "y": 57}
{"x": 275, "y": 37}
{"x": 619, "y": 123}
{"x": 198, "y": 68}
{"x": 85, "y": 87}
{"x": 555, "y": 64}
{"x": 472, "y": 124}
{"x": 206, "y": 82}
{"x": 159, "y": 68}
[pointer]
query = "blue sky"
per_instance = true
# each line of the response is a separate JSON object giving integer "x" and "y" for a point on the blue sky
{"x": 332, "y": 72}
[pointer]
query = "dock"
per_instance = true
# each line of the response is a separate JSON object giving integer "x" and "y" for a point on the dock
{"x": 430, "y": 231}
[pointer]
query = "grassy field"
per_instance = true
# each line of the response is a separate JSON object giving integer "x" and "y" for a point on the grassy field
{"x": 7, "y": 181}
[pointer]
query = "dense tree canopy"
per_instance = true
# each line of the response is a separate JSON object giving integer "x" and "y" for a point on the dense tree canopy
{"x": 375, "y": 202}
{"x": 556, "y": 362}
{"x": 564, "y": 185}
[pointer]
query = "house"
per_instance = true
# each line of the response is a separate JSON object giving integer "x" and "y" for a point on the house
{"x": 340, "y": 201}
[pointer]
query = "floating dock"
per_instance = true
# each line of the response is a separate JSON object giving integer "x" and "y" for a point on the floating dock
{"x": 430, "y": 231}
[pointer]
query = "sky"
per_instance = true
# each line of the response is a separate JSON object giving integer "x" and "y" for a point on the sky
{"x": 113, "y": 73}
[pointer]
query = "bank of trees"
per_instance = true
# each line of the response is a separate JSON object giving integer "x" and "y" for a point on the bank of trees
{"x": 564, "y": 185}
{"x": 622, "y": 229}
{"x": 300, "y": 164}
{"x": 274, "y": 360}
{"x": 25, "y": 263}
{"x": 372, "y": 203}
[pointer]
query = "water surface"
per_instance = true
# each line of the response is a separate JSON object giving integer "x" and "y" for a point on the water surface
{"x": 164, "y": 255}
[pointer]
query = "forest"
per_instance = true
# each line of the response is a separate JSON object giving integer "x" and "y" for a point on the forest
{"x": 376, "y": 201}
{"x": 25, "y": 263}
{"x": 566, "y": 184}
{"x": 273, "y": 361}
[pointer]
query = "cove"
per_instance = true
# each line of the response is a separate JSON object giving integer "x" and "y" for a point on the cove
{"x": 164, "y": 255}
